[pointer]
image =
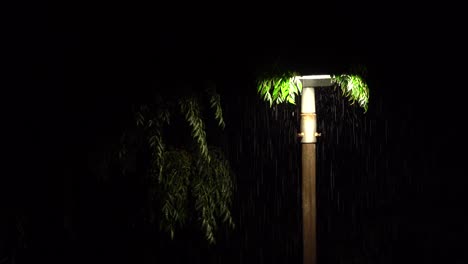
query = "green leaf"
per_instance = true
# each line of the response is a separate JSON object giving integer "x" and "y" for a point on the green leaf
{"x": 354, "y": 88}
{"x": 283, "y": 87}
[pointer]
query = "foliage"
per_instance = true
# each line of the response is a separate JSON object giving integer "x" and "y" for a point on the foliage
{"x": 283, "y": 87}
{"x": 280, "y": 87}
{"x": 185, "y": 177}
{"x": 174, "y": 189}
{"x": 354, "y": 88}
{"x": 215, "y": 104}
{"x": 189, "y": 107}
{"x": 212, "y": 189}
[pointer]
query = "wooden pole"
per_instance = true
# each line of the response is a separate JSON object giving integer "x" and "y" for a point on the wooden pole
{"x": 309, "y": 205}
{"x": 309, "y": 136}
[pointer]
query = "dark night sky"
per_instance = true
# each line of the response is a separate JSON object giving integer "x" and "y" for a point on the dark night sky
{"x": 66, "y": 56}
{"x": 76, "y": 68}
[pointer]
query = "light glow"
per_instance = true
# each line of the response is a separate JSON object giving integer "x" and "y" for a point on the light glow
{"x": 308, "y": 118}
{"x": 308, "y": 100}
{"x": 314, "y": 77}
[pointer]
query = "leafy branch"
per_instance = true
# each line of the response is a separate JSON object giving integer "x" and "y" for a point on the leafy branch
{"x": 354, "y": 88}
{"x": 175, "y": 189}
{"x": 215, "y": 104}
{"x": 283, "y": 87}
{"x": 179, "y": 174}
{"x": 190, "y": 108}
{"x": 279, "y": 88}
{"x": 213, "y": 189}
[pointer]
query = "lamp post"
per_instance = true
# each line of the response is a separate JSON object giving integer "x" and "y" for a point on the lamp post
{"x": 283, "y": 89}
{"x": 308, "y": 135}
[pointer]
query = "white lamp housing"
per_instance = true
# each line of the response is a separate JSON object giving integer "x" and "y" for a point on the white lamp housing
{"x": 308, "y": 117}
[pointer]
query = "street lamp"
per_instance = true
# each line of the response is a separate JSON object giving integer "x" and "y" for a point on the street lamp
{"x": 308, "y": 136}
{"x": 283, "y": 87}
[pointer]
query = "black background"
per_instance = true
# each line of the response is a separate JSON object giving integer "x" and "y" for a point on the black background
{"x": 73, "y": 69}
